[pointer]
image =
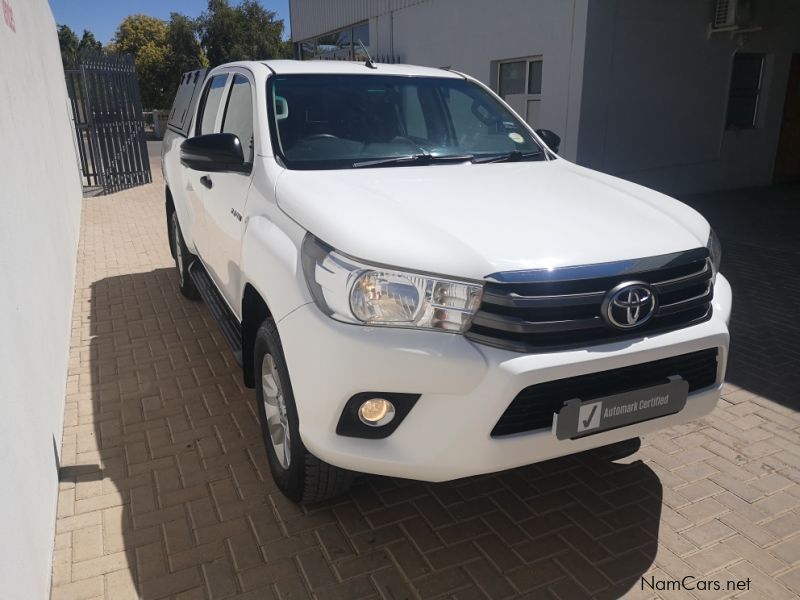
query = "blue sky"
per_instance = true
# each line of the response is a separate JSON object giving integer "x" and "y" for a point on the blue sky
{"x": 101, "y": 17}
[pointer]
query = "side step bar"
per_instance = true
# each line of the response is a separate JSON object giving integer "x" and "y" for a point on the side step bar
{"x": 228, "y": 324}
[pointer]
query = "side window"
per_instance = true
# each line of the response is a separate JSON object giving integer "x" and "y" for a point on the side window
{"x": 238, "y": 118}
{"x": 209, "y": 106}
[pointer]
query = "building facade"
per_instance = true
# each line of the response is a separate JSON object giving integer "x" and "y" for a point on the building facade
{"x": 673, "y": 94}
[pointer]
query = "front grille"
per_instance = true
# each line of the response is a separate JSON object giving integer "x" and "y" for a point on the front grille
{"x": 534, "y": 407}
{"x": 552, "y": 309}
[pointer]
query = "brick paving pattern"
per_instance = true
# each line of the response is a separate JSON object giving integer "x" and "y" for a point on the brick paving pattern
{"x": 165, "y": 490}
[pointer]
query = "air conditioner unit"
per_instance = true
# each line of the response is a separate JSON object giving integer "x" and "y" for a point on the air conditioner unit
{"x": 725, "y": 13}
{"x": 735, "y": 18}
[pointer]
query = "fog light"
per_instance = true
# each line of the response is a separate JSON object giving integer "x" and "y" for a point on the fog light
{"x": 376, "y": 412}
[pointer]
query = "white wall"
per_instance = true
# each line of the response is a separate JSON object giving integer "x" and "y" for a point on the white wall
{"x": 468, "y": 35}
{"x": 40, "y": 202}
{"x": 655, "y": 94}
{"x": 313, "y": 17}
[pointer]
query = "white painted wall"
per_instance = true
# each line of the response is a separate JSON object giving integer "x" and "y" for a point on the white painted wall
{"x": 40, "y": 202}
{"x": 655, "y": 94}
{"x": 313, "y": 17}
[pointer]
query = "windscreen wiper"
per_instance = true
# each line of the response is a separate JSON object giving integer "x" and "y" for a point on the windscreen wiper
{"x": 513, "y": 156}
{"x": 412, "y": 159}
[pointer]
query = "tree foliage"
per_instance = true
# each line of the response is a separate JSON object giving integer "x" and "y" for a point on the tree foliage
{"x": 185, "y": 53}
{"x": 145, "y": 38}
{"x": 244, "y": 32}
{"x": 89, "y": 43}
{"x": 162, "y": 50}
{"x": 68, "y": 42}
{"x": 71, "y": 46}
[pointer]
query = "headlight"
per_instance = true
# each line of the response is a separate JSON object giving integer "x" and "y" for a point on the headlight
{"x": 354, "y": 292}
{"x": 714, "y": 251}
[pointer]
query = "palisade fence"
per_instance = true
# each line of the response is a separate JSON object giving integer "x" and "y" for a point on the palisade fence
{"x": 109, "y": 125}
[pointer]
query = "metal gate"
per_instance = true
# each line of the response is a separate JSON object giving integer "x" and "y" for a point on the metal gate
{"x": 109, "y": 125}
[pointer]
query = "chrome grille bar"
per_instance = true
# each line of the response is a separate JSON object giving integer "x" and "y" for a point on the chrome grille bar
{"x": 528, "y": 311}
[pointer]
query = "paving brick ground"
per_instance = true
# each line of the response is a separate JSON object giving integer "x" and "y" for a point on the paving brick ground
{"x": 165, "y": 490}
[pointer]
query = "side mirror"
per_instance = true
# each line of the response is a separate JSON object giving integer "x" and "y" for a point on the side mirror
{"x": 552, "y": 140}
{"x": 215, "y": 153}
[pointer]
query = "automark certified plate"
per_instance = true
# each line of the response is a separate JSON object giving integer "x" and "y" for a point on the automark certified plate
{"x": 579, "y": 418}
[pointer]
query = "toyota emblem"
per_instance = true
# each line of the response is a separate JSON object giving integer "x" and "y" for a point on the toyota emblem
{"x": 629, "y": 305}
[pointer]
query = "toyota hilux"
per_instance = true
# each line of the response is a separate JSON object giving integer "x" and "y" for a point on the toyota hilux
{"x": 417, "y": 285}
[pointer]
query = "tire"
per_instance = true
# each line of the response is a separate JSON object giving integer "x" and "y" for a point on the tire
{"x": 620, "y": 450}
{"x": 183, "y": 258}
{"x": 301, "y": 476}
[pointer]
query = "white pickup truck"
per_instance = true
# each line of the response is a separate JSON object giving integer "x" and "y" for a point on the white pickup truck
{"x": 417, "y": 285}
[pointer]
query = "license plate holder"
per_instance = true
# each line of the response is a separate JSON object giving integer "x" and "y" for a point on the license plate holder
{"x": 579, "y": 418}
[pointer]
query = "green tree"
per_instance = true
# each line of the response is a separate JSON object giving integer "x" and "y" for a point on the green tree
{"x": 138, "y": 31}
{"x": 185, "y": 53}
{"x": 89, "y": 43}
{"x": 162, "y": 51}
{"x": 68, "y": 42}
{"x": 244, "y": 32}
{"x": 145, "y": 38}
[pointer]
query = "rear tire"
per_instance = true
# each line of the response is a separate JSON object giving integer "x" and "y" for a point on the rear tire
{"x": 300, "y": 475}
{"x": 183, "y": 258}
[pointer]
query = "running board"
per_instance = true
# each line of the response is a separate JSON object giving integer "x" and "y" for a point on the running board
{"x": 228, "y": 324}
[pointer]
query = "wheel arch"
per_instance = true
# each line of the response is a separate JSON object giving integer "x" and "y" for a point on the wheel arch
{"x": 254, "y": 312}
{"x": 169, "y": 207}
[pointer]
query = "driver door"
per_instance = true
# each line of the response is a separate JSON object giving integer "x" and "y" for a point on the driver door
{"x": 206, "y": 122}
{"x": 224, "y": 194}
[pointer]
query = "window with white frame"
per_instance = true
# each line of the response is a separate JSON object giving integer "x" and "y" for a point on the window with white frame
{"x": 519, "y": 82}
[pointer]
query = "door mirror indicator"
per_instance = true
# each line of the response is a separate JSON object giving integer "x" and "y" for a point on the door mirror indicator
{"x": 552, "y": 140}
{"x": 214, "y": 153}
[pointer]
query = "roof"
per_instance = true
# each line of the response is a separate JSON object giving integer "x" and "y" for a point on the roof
{"x": 285, "y": 67}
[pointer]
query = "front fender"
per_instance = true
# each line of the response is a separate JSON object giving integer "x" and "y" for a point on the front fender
{"x": 271, "y": 262}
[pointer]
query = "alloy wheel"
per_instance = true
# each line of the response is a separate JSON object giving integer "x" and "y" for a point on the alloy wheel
{"x": 176, "y": 233}
{"x": 275, "y": 410}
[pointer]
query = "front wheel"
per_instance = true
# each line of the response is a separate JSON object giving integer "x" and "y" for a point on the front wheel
{"x": 183, "y": 258}
{"x": 300, "y": 475}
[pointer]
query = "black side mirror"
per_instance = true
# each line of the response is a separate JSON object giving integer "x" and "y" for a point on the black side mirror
{"x": 552, "y": 140}
{"x": 215, "y": 153}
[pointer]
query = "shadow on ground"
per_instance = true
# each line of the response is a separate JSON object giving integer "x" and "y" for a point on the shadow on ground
{"x": 760, "y": 233}
{"x": 179, "y": 438}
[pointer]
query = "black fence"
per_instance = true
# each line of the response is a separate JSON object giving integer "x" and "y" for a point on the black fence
{"x": 109, "y": 125}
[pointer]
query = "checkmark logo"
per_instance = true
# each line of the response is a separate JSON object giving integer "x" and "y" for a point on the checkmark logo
{"x": 589, "y": 416}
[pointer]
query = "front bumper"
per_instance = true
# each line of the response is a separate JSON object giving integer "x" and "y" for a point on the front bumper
{"x": 465, "y": 389}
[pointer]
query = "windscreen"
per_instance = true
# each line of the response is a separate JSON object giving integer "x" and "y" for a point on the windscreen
{"x": 338, "y": 121}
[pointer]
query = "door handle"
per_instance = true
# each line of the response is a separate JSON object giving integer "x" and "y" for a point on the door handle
{"x": 206, "y": 181}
